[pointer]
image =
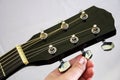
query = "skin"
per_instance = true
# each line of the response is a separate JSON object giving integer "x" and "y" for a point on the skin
{"x": 81, "y": 69}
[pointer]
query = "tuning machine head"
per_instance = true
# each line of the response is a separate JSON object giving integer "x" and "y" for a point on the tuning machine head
{"x": 87, "y": 54}
{"x": 74, "y": 39}
{"x": 107, "y": 46}
{"x": 43, "y": 35}
{"x": 95, "y": 29}
{"x": 64, "y": 66}
{"x": 52, "y": 50}
{"x": 64, "y": 25}
{"x": 83, "y": 15}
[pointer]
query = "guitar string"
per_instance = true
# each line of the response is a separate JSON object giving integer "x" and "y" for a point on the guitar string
{"x": 14, "y": 65}
{"x": 64, "y": 38}
{"x": 13, "y": 55}
{"x": 49, "y": 34}
{"x": 41, "y": 50}
{"x": 29, "y": 44}
{"x": 54, "y": 41}
{"x": 52, "y": 32}
{"x": 37, "y": 39}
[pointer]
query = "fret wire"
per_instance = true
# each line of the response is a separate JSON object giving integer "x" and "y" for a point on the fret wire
{"x": 1, "y": 67}
{"x": 54, "y": 42}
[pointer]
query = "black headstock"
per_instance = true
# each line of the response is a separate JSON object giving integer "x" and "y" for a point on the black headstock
{"x": 58, "y": 39}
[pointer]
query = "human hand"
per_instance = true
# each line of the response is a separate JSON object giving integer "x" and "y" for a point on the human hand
{"x": 81, "y": 69}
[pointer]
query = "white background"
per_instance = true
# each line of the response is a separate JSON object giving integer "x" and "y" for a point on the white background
{"x": 20, "y": 19}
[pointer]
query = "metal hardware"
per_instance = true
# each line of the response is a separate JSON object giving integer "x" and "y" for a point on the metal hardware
{"x": 64, "y": 25}
{"x": 74, "y": 39}
{"x": 52, "y": 49}
{"x": 83, "y": 15}
{"x": 64, "y": 66}
{"x": 95, "y": 29}
{"x": 1, "y": 67}
{"x": 87, "y": 54}
{"x": 43, "y": 35}
{"x": 107, "y": 46}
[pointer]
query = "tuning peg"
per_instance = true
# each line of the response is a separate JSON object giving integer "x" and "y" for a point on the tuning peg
{"x": 87, "y": 54}
{"x": 83, "y": 15}
{"x": 74, "y": 39}
{"x": 52, "y": 49}
{"x": 64, "y": 25}
{"x": 107, "y": 46}
{"x": 95, "y": 29}
{"x": 64, "y": 66}
{"x": 43, "y": 35}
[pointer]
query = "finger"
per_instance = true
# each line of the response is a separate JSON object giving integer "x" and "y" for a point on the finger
{"x": 72, "y": 61}
{"x": 88, "y": 73}
{"x": 76, "y": 70}
{"x": 81, "y": 78}
{"x": 89, "y": 79}
{"x": 89, "y": 64}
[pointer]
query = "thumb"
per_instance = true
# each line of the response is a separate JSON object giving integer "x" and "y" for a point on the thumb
{"x": 77, "y": 69}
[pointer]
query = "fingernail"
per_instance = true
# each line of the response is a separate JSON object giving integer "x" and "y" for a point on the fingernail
{"x": 82, "y": 60}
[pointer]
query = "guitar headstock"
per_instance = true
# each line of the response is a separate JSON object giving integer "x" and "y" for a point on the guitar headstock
{"x": 69, "y": 36}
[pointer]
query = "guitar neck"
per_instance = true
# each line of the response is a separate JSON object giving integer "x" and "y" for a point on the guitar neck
{"x": 9, "y": 64}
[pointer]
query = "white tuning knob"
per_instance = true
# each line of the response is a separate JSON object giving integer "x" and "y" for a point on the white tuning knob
{"x": 64, "y": 66}
{"x": 87, "y": 54}
{"x": 107, "y": 46}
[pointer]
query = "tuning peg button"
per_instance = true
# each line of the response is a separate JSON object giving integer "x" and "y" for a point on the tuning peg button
{"x": 83, "y": 15}
{"x": 52, "y": 49}
{"x": 87, "y": 54}
{"x": 107, "y": 46}
{"x": 64, "y": 25}
{"x": 95, "y": 29}
{"x": 43, "y": 35}
{"x": 64, "y": 66}
{"x": 74, "y": 39}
